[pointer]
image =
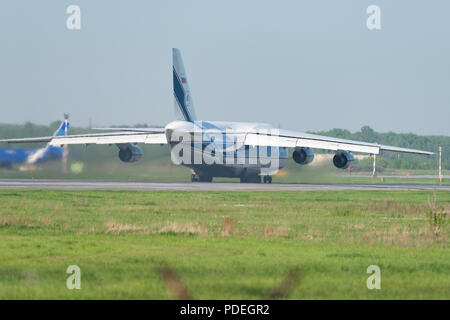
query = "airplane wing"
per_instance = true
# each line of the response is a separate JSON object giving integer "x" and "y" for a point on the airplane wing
{"x": 274, "y": 137}
{"x": 151, "y": 130}
{"x": 292, "y": 139}
{"x": 157, "y": 136}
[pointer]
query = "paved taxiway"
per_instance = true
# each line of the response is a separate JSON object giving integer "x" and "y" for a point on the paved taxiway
{"x": 215, "y": 186}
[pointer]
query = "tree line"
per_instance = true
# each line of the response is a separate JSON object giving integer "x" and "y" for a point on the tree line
{"x": 396, "y": 160}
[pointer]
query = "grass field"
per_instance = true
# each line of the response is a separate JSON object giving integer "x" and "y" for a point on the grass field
{"x": 220, "y": 245}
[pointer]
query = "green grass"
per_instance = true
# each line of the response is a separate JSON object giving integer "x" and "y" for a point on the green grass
{"x": 222, "y": 244}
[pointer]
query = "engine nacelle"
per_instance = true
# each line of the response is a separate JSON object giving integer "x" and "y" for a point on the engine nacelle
{"x": 303, "y": 155}
{"x": 130, "y": 153}
{"x": 343, "y": 159}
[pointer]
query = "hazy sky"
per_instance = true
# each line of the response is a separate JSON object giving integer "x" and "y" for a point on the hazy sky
{"x": 304, "y": 65}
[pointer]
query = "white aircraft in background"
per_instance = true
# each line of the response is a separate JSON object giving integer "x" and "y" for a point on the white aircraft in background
{"x": 222, "y": 149}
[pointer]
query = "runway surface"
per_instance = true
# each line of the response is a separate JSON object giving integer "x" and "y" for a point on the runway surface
{"x": 197, "y": 186}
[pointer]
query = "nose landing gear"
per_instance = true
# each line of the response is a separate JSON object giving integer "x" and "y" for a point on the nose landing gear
{"x": 200, "y": 178}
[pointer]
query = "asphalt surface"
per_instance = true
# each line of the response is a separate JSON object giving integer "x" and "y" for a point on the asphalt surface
{"x": 198, "y": 186}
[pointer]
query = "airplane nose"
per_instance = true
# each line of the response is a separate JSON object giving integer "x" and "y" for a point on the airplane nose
{"x": 178, "y": 129}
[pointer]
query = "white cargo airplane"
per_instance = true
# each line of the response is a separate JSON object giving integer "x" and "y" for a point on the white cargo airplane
{"x": 221, "y": 149}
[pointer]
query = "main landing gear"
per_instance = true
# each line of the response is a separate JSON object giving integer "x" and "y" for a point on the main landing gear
{"x": 200, "y": 178}
{"x": 251, "y": 178}
{"x": 267, "y": 179}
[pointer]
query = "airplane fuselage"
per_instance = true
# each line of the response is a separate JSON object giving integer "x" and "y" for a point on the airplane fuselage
{"x": 11, "y": 156}
{"x": 216, "y": 149}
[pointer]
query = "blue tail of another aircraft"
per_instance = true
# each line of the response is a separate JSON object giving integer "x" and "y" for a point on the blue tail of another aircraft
{"x": 63, "y": 128}
{"x": 53, "y": 152}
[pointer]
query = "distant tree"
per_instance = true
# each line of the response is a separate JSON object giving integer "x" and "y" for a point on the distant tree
{"x": 368, "y": 134}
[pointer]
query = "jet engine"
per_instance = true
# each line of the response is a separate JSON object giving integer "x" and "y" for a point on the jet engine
{"x": 303, "y": 155}
{"x": 343, "y": 159}
{"x": 130, "y": 153}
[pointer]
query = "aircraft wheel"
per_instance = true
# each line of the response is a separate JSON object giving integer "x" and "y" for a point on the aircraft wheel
{"x": 267, "y": 179}
{"x": 205, "y": 178}
{"x": 251, "y": 179}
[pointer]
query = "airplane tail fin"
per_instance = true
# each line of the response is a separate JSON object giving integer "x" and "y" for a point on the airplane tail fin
{"x": 63, "y": 128}
{"x": 184, "y": 106}
{"x": 50, "y": 151}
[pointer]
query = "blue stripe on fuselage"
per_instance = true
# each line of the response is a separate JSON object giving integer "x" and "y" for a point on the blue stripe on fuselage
{"x": 209, "y": 125}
